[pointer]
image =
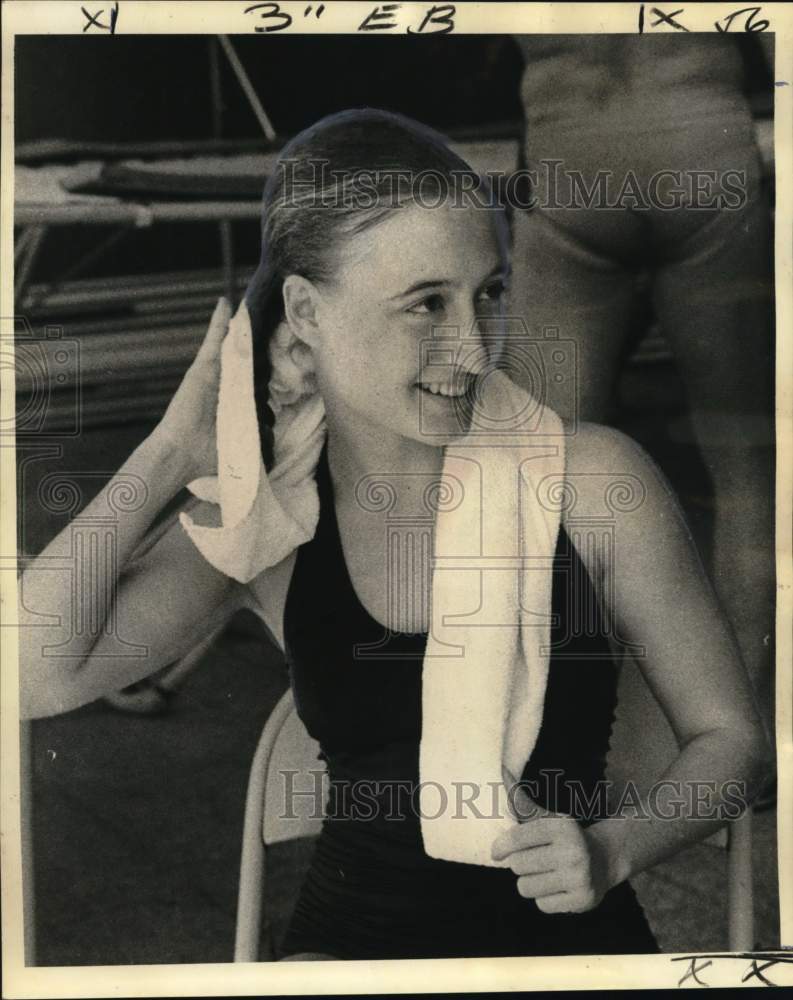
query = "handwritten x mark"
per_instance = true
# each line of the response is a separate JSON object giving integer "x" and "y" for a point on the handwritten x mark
{"x": 693, "y": 969}
{"x": 756, "y": 971}
{"x": 668, "y": 19}
{"x": 92, "y": 20}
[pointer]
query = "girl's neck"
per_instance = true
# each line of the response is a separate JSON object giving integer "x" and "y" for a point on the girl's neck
{"x": 364, "y": 450}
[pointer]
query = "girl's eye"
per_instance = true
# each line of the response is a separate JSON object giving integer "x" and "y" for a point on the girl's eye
{"x": 429, "y": 304}
{"x": 493, "y": 292}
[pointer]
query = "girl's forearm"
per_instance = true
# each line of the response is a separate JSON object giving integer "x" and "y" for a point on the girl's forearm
{"x": 705, "y": 786}
{"x": 149, "y": 478}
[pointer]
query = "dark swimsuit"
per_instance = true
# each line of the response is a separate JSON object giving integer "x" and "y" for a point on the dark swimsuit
{"x": 371, "y": 891}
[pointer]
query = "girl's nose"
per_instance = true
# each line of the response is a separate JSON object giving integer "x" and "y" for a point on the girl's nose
{"x": 474, "y": 346}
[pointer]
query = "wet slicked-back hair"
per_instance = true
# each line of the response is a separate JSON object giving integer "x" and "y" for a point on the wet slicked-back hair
{"x": 337, "y": 178}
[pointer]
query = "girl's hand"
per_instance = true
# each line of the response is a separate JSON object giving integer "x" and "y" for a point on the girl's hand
{"x": 557, "y": 863}
{"x": 187, "y": 428}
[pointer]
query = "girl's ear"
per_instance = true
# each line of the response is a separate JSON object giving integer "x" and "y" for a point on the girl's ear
{"x": 301, "y": 300}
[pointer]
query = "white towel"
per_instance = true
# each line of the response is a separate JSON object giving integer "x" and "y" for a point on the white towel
{"x": 486, "y": 661}
{"x": 264, "y": 516}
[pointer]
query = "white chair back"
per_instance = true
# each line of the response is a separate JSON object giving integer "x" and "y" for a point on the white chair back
{"x": 296, "y": 788}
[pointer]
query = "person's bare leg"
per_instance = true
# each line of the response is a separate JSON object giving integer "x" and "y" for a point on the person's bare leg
{"x": 715, "y": 309}
{"x": 560, "y": 282}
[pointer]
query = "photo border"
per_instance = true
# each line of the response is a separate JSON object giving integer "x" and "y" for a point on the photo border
{"x": 426, "y": 975}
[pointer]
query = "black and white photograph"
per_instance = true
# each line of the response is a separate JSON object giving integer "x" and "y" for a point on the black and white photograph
{"x": 397, "y": 505}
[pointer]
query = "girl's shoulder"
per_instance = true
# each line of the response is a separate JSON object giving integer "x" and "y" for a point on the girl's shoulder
{"x": 598, "y": 457}
{"x": 611, "y": 480}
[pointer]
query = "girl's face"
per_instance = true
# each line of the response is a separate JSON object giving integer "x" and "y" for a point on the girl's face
{"x": 399, "y": 343}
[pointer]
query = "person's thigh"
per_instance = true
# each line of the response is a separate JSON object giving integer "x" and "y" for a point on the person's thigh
{"x": 713, "y": 298}
{"x": 562, "y": 287}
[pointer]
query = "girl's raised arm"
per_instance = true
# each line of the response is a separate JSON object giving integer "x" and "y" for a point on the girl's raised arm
{"x": 87, "y": 630}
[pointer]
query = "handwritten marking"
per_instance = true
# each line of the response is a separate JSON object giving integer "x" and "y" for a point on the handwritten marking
{"x": 437, "y": 19}
{"x": 752, "y": 20}
{"x": 268, "y": 11}
{"x": 755, "y": 971}
{"x": 749, "y": 25}
{"x": 380, "y": 14}
{"x": 446, "y": 22}
{"x": 92, "y": 20}
{"x": 692, "y": 972}
{"x": 669, "y": 18}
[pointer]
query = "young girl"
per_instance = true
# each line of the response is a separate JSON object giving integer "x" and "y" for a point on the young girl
{"x": 368, "y": 249}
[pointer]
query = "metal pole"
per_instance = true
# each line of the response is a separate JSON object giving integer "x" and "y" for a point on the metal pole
{"x": 224, "y": 226}
{"x": 80, "y": 264}
{"x": 247, "y": 86}
{"x": 740, "y": 886}
{"x": 28, "y": 257}
{"x": 26, "y": 828}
